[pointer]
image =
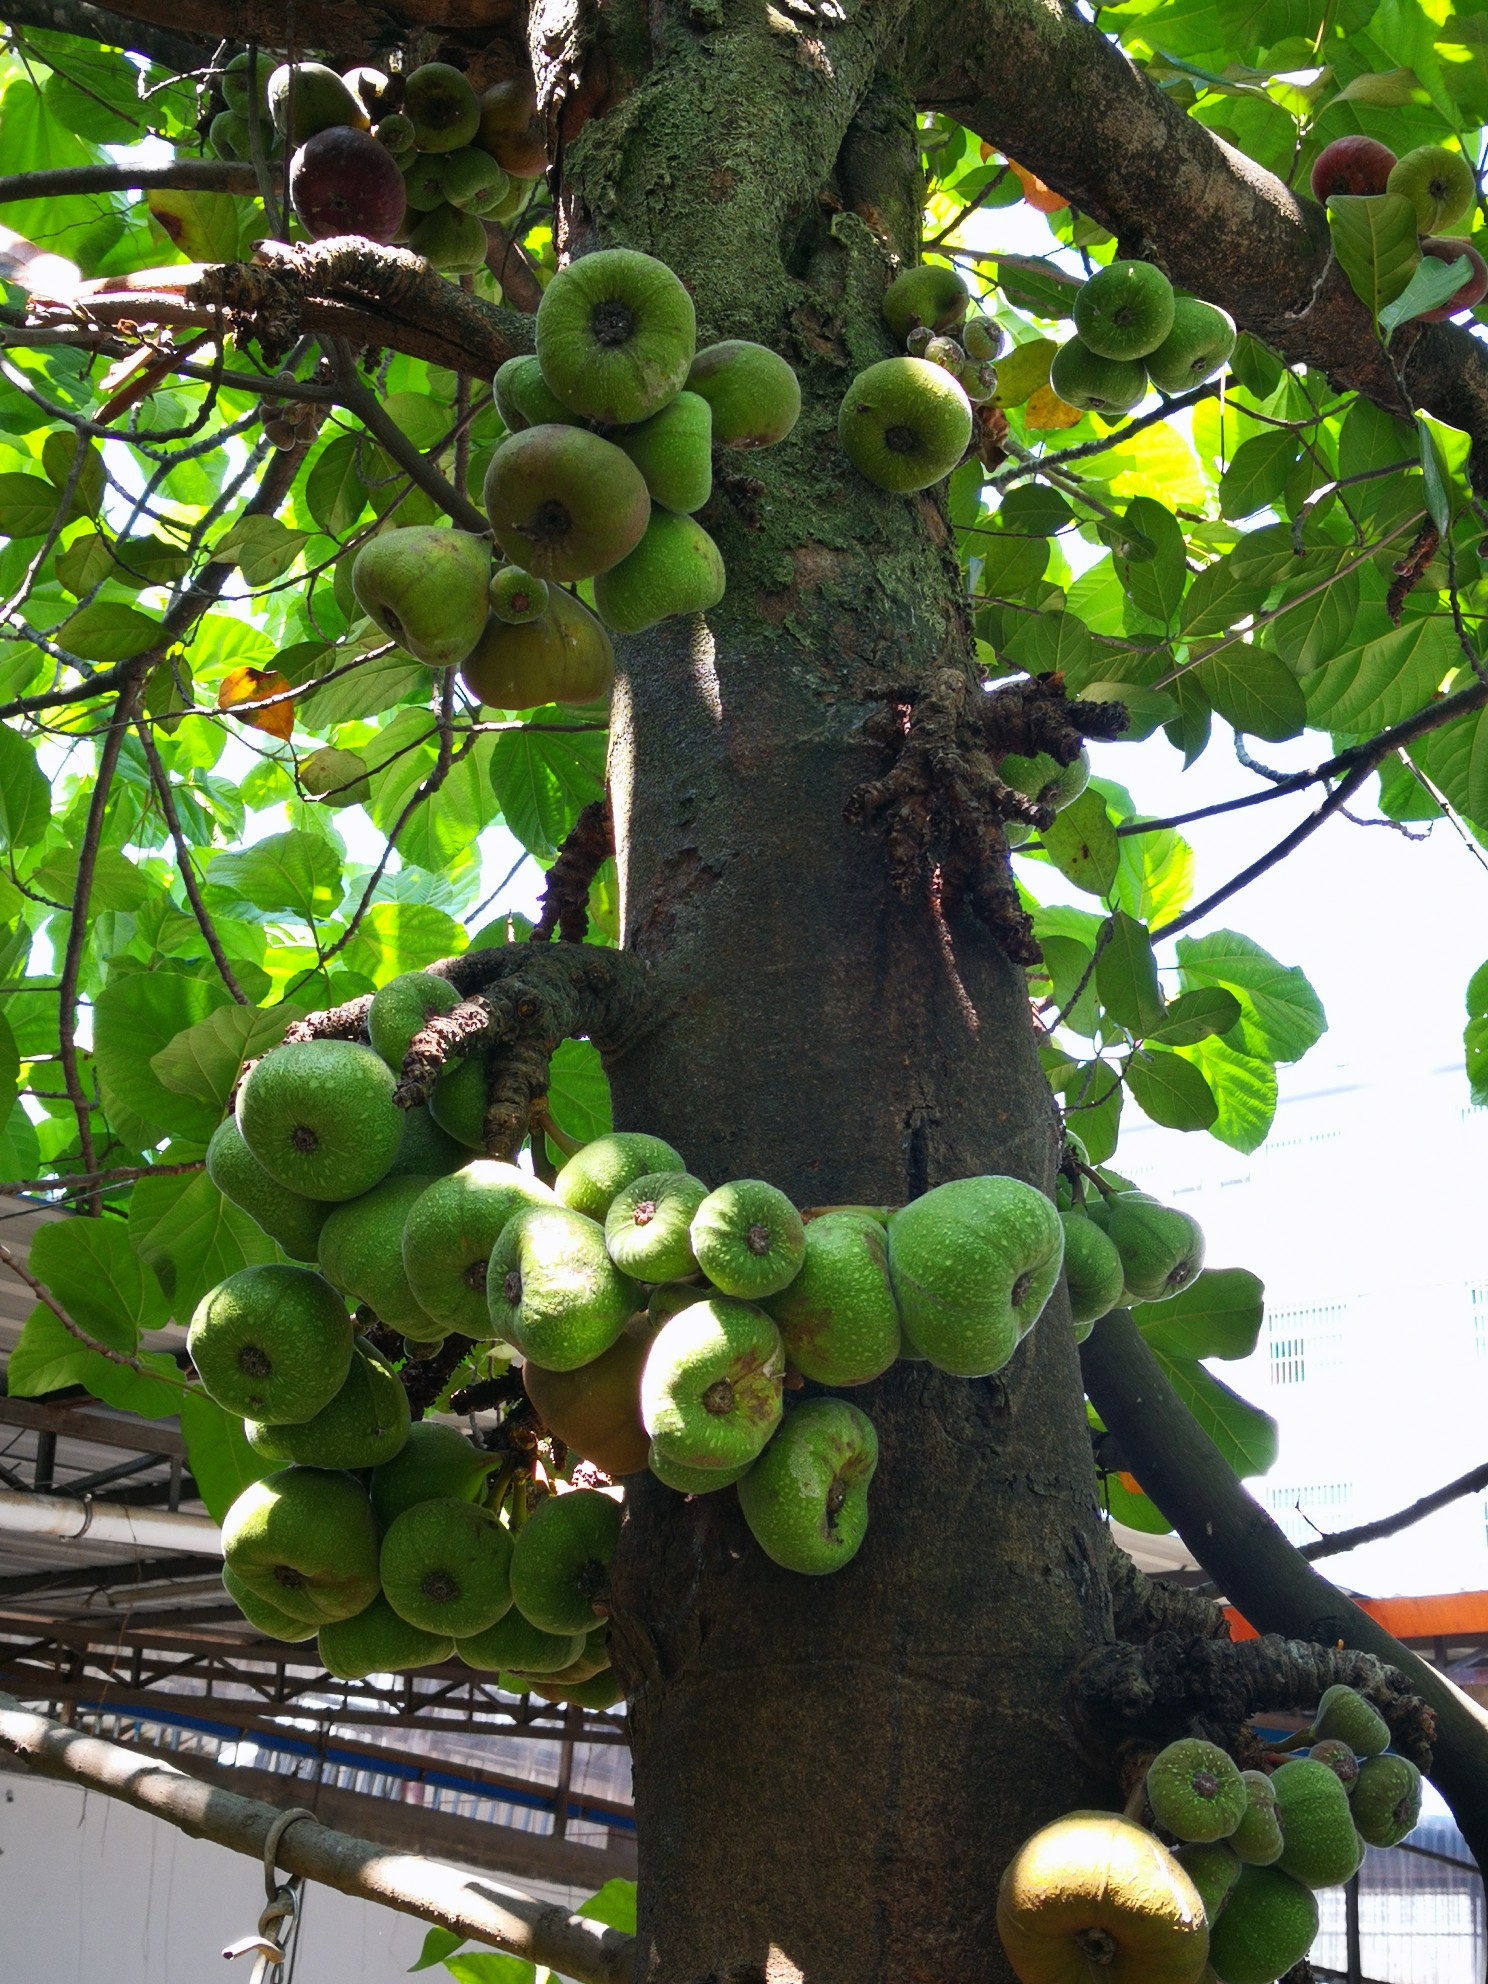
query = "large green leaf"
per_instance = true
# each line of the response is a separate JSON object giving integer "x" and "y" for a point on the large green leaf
{"x": 1155, "y": 585}
{"x": 221, "y": 1461}
{"x": 1281, "y": 1015}
{"x": 1383, "y": 682}
{"x": 1171, "y": 1090}
{"x": 1376, "y": 240}
{"x": 134, "y": 1017}
{"x": 1243, "y": 1087}
{"x": 89, "y": 1265}
{"x": 1195, "y": 1016}
{"x": 1254, "y": 692}
{"x": 1219, "y": 1314}
{"x": 1246, "y": 1436}
{"x": 1082, "y": 844}
{"x": 25, "y": 796}
{"x": 48, "y": 1359}
{"x": 544, "y": 781}
{"x": 1456, "y": 760}
{"x": 296, "y": 871}
{"x": 190, "y": 1237}
{"x": 579, "y": 1091}
{"x": 394, "y": 937}
{"x": 205, "y": 1060}
{"x": 1257, "y": 476}
{"x": 1126, "y": 976}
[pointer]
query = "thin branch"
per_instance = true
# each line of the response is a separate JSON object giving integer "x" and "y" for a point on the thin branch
{"x": 75, "y": 1330}
{"x": 160, "y": 779}
{"x": 1417, "y": 1511}
{"x": 185, "y": 175}
{"x": 109, "y": 30}
{"x": 469, "y": 1905}
{"x": 417, "y": 466}
{"x": 82, "y": 1181}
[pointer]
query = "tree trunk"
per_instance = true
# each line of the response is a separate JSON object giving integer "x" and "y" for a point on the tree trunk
{"x": 830, "y": 1773}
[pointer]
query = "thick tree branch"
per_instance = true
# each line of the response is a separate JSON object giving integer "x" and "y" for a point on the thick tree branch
{"x": 1255, "y": 1566}
{"x": 1143, "y": 1607}
{"x": 108, "y": 29}
{"x": 468, "y": 1904}
{"x": 1176, "y": 1685}
{"x": 347, "y": 287}
{"x": 1048, "y": 88}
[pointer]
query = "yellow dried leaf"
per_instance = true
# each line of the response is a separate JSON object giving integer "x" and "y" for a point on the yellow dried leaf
{"x": 1046, "y": 412}
{"x": 252, "y": 685}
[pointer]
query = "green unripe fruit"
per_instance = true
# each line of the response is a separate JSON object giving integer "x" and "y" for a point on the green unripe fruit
{"x": 516, "y": 597}
{"x": 1439, "y": 184}
{"x": 647, "y": 1225}
{"x": 978, "y": 381}
{"x": 426, "y": 587}
{"x": 287, "y": 1217}
{"x": 927, "y": 295}
{"x": 246, "y": 70}
{"x": 1344, "y": 1713}
{"x": 563, "y": 503}
{"x": 451, "y": 241}
{"x": 973, "y": 1264}
{"x": 377, "y": 1641}
{"x": 336, "y": 778}
{"x": 524, "y": 399}
{"x": 559, "y": 1560}
{"x": 946, "y": 353}
{"x": 981, "y": 339}
{"x": 422, "y": 185}
{"x": 306, "y": 97}
{"x": 1092, "y": 1272}
{"x": 711, "y": 1389}
{"x": 1082, "y": 378}
{"x": 1257, "y": 1838}
{"x": 445, "y": 1567}
{"x": 604, "y": 1691}
{"x": 424, "y": 1150}
{"x": 1214, "y": 1870}
{"x": 435, "y": 1463}
{"x": 1268, "y": 1925}
{"x": 674, "y": 452}
{"x": 1043, "y": 779}
{"x": 397, "y": 133}
{"x": 553, "y": 1290}
{"x": 919, "y": 341}
{"x": 1339, "y": 1758}
{"x": 1321, "y": 1847}
{"x": 748, "y": 1239}
{"x": 364, "y": 1425}
{"x": 271, "y": 1620}
{"x": 1161, "y": 1249}
{"x": 616, "y": 333}
{"x": 563, "y": 656}
{"x": 1125, "y": 310}
{"x": 361, "y": 1254}
{"x": 806, "y": 1497}
{"x": 404, "y": 1007}
{"x": 1386, "y": 1802}
{"x": 754, "y": 394}
{"x": 271, "y": 1343}
{"x": 305, "y": 1541}
{"x": 838, "y": 1318}
{"x": 319, "y": 1117}
{"x": 1200, "y": 344}
{"x": 513, "y": 1642}
{"x": 471, "y": 179}
{"x": 904, "y": 424}
{"x": 459, "y": 1100}
{"x": 675, "y": 569}
{"x": 685, "y": 1480}
{"x": 448, "y": 1235}
{"x": 593, "y": 1175}
{"x": 229, "y": 135}
{"x": 444, "y": 109}
{"x": 1195, "y": 1790}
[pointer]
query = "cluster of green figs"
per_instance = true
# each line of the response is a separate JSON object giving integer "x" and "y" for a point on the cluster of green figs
{"x": 611, "y": 426}
{"x": 1132, "y": 330}
{"x": 1220, "y": 1885}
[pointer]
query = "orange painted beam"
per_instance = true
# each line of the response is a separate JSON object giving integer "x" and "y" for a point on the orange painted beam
{"x": 1455, "y": 1615}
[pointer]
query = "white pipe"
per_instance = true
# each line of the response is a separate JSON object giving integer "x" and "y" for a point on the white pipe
{"x": 71, "y": 1519}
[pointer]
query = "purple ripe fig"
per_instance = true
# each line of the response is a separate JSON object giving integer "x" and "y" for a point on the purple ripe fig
{"x": 343, "y": 181}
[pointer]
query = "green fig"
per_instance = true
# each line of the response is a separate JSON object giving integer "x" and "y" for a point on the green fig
{"x": 972, "y": 1264}
{"x": 754, "y": 394}
{"x": 674, "y": 452}
{"x": 616, "y": 334}
{"x": 711, "y": 1390}
{"x": 806, "y": 1498}
{"x": 553, "y": 1290}
{"x": 904, "y": 424}
{"x": 426, "y": 588}
{"x": 305, "y": 1541}
{"x": 1124, "y": 311}
{"x": 838, "y": 1318}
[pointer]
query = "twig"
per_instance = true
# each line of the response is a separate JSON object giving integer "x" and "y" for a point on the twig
{"x": 78, "y": 1181}
{"x": 160, "y": 779}
{"x": 1417, "y": 1511}
{"x": 417, "y": 466}
{"x": 49, "y": 1301}
{"x": 186, "y": 175}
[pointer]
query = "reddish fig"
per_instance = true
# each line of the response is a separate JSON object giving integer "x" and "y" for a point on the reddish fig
{"x": 1474, "y": 287}
{"x": 1351, "y": 165}
{"x": 344, "y": 182}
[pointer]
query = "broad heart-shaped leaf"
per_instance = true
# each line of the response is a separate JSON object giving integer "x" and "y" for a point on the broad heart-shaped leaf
{"x": 296, "y": 871}
{"x": 205, "y": 1060}
{"x": 1220, "y": 598}
{"x": 1155, "y": 879}
{"x": 25, "y": 796}
{"x": 1092, "y": 1109}
{"x": 1219, "y": 1314}
{"x": 614, "y": 1905}
{"x": 1254, "y": 692}
{"x": 1455, "y": 758}
{"x": 543, "y": 781}
{"x": 579, "y": 1091}
{"x": 1067, "y": 963}
{"x": 100, "y": 1281}
{"x": 335, "y": 489}
{"x": 1194, "y": 1016}
{"x": 109, "y": 631}
{"x": 190, "y": 1238}
{"x": 1245, "y": 1435}
{"x": 1170, "y": 1090}
{"x": 48, "y": 1359}
{"x": 1155, "y": 585}
{"x": 221, "y": 1461}
{"x": 133, "y": 1018}
{"x": 1376, "y": 242}
{"x": 27, "y": 504}
{"x": 1082, "y": 844}
{"x": 1024, "y": 371}
{"x": 1126, "y": 977}
{"x": 1280, "y": 1014}
{"x": 1257, "y": 474}
{"x": 395, "y": 937}
{"x": 1385, "y": 680}
{"x": 1432, "y": 282}
{"x": 1444, "y": 453}
{"x": 1243, "y": 1087}
{"x": 1314, "y": 630}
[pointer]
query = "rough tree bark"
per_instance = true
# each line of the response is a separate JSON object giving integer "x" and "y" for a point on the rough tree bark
{"x": 830, "y": 1774}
